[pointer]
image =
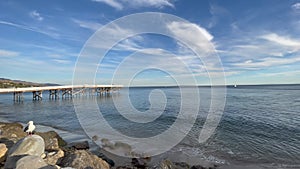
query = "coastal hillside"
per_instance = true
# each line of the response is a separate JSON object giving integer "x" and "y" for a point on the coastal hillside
{"x": 8, "y": 83}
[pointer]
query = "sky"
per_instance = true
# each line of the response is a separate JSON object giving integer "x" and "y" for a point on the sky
{"x": 256, "y": 42}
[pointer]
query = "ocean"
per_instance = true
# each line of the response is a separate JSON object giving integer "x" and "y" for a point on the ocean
{"x": 260, "y": 124}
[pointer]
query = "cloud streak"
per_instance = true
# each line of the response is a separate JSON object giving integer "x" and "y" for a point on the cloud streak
{"x": 8, "y": 53}
{"x": 121, "y": 4}
{"x": 32, "y": 29}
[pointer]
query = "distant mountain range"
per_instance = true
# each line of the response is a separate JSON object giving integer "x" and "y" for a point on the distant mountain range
{"x": 8, "y": 83}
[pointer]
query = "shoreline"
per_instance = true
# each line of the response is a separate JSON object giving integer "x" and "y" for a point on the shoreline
{"x": 12, "y": 133}
{"x": 172, "y": 160}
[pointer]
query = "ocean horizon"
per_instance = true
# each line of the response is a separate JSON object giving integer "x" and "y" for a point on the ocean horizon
{"x": 259, "y": 125}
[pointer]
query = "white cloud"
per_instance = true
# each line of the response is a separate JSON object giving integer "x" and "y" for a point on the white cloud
{"x": 61, "y": 61}
{"x": 35, "y": 15}
{"x": 7, "y": 53}
{"x": 87, "y": 24}
{"x": 255, "y": 51}
{"x": 112, "y": 3}
{"x": 296, "y": 6}
{"x": 196, "y": 37}
{"x": 282, "y": 40}
{"x": 150, "y": 3}
{"x": 266, "y": 62}
{"x": 120, "y": 4}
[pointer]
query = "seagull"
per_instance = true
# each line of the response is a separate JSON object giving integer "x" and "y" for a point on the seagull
{"x": 29, "y": 128}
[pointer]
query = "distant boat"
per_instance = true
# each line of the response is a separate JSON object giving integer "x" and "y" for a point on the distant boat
{"x": 235, "y": 86}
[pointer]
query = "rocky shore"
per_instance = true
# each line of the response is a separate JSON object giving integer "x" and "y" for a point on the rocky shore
{"x": 47, "y": 150}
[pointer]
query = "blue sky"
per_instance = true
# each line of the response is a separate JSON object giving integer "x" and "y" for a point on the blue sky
{"x": 257, "y": 41}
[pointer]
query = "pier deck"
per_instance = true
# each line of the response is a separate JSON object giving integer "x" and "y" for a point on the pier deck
{"x": 54, "y": 91}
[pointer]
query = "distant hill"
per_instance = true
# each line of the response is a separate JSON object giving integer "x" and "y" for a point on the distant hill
{"x": 8, "y": 83}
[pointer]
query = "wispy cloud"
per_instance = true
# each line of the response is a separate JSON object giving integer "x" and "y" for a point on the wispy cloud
{"x": 282, "y": 40}
{"x": 296, "y": 6}
{"x": 217, "y": 13}
{"x": 112, "y": 3}
{"x": 32, "y": 29}
{"x": 259, "y": 51}
{"x": 8, "y": 53}
{"x": 88, "y": 24}
{"x": 35, "y": 15}
{"x": 193, "y": 34}
{"x": 61, "y": 61}
{"x": 266, "y": 62}
{"x": 121, "y": 4}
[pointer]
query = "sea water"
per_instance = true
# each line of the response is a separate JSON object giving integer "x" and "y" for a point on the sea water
{"x": 259, "y": 125}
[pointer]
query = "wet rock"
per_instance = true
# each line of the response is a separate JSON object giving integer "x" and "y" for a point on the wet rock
{"x": 83, "y": 159}
{"x": 126, "y": 167}
{"x": 203, "y": 167}
{"x": 53, "y": 157}
{"x": 31, "y": 145}
{"x": 52, "y": 140}
{"x": 197, "y": 167}
{"x": 3, "y": 150}
{"x": 30, "y": 162}
{"x": 136, "y": 163}
{"x": 181, "y": 165}
{"x": 211, "y": 166}
{"x": 104, "y": 157}
{"x": 84, "y": 145}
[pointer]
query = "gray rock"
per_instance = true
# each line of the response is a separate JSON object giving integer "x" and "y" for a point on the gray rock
{"x": 53, "y": 157}
{"x": 30, "y": 162}
{"x": 31, "y": 145}
{"x": 166, "y": 164}
{"x": 83, "y": 159}
{"x": 181, "y": 165}
{"x": 52, "y": 140}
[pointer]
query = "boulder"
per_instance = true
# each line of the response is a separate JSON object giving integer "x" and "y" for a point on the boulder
{"x": 104, "y": 157}
{"x": 211, "y": 166}
{"x": 84, "y": 145}
{"x": 12, "y": 131}
{"x": 83, "y": 159}
{"x": 53, "y": 157}
{"x": 181, "y": 165}
{"x": 3, "y": 150}
{"x": 127, "y": 167}
{"x": 31, "y": 145}
{"x": 30, "y": 162}
{"x": 166, "y": 164}
{"x": 52, "y": 140}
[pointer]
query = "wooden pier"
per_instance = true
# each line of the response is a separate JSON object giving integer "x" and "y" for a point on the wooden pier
{"x": 55, "y": 92}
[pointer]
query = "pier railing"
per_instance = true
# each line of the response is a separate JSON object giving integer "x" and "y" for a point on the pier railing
{"x": 64, "y": 91}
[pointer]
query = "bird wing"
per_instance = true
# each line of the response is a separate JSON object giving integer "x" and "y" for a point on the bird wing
{"x": 25, "y": 129}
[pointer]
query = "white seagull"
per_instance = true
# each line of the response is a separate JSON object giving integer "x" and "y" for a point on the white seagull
{"x": 29, "y": 128}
